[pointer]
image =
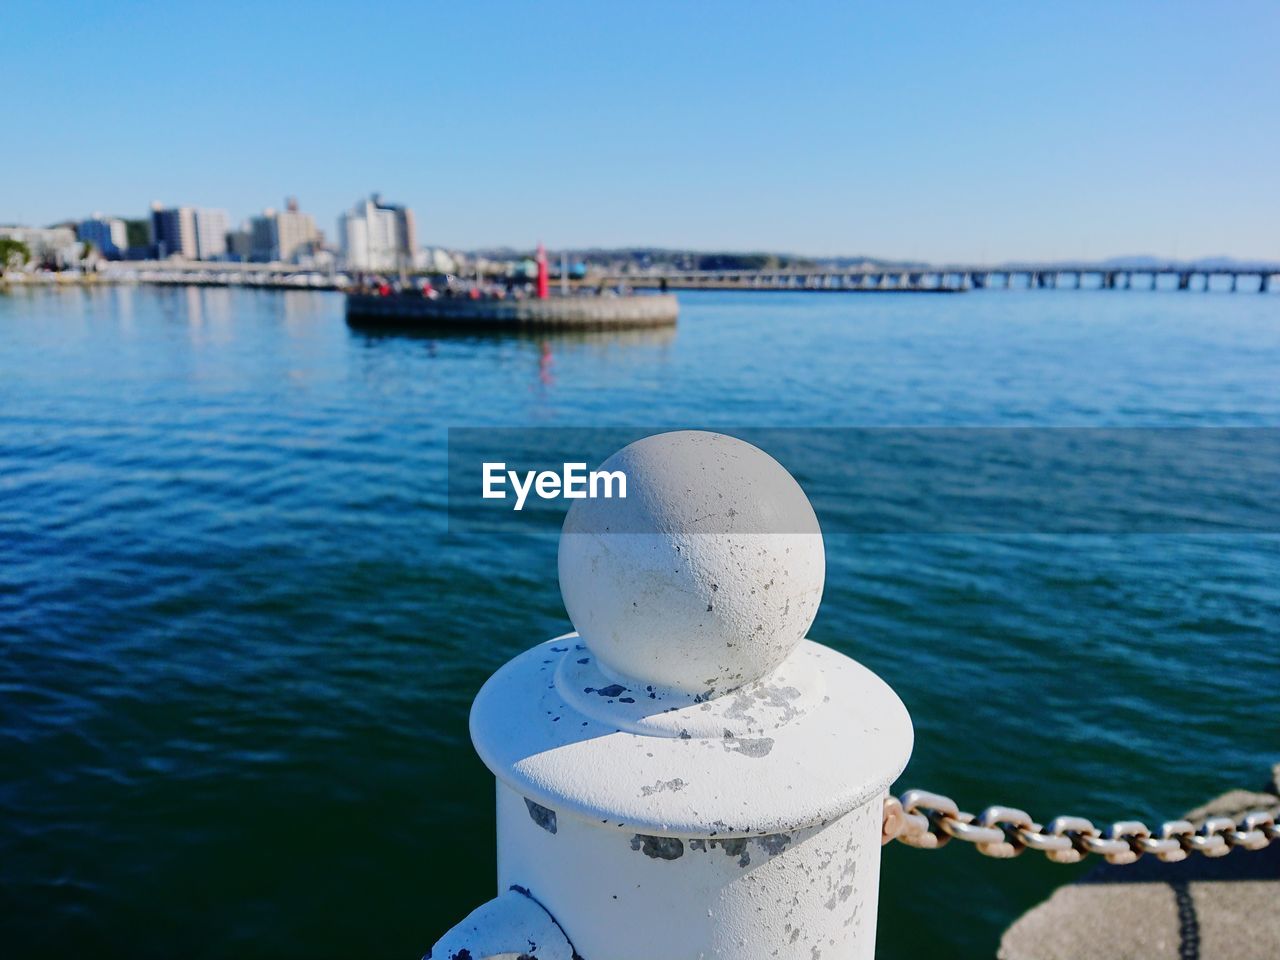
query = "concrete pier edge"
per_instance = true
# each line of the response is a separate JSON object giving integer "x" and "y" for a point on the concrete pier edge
{"x": 1198, "y": 909}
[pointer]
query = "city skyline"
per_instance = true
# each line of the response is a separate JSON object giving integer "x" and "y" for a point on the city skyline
{"x": 932, "y": 134}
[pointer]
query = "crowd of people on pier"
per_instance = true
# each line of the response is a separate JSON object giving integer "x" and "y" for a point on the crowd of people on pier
{"x": 479, "y": 288}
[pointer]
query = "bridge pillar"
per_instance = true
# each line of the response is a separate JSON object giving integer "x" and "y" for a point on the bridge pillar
{"x": 1128, "y": 280}
{"x": 1264, "y": 283}
{"x": 1155, "y": 280}
{"x": 1235, "y": 279}
{"x": 1184, "y": 281}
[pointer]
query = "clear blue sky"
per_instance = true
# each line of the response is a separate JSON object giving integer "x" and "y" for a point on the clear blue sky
{"x": 944, "y": 131}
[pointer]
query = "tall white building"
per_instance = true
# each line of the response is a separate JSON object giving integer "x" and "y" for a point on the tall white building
{"x": 211, "y": 234}
{"x": 353, "y": 241}
{"x": 284, "y": 235}
{"x": 296, "y": 232}
{"x": 376, "y": 236}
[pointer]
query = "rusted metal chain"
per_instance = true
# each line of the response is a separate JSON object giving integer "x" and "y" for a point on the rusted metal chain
{"x": 929, "y": 821}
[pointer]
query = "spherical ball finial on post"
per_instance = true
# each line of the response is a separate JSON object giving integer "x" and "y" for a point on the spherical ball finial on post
{"x": 705, "y": 576}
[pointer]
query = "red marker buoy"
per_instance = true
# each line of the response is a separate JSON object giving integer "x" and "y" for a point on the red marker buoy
{"x": 544, "y": 282}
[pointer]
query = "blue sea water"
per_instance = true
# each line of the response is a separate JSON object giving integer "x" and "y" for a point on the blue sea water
{"x": 238, "y": 644}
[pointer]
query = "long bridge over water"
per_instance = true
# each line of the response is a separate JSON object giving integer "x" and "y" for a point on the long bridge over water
{"x": 936, "y": 279}
{"x": 951, "y": 279}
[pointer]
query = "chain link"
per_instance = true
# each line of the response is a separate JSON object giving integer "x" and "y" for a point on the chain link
{"x": 929, "y": 821}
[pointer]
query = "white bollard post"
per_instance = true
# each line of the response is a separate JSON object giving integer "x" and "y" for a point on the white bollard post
{"x": 687, "y": 776}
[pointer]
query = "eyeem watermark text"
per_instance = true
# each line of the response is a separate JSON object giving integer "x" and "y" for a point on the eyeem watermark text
{"x": 573, "y": 482}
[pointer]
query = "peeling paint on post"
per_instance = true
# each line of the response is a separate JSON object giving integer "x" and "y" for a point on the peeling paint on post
{"x": 542, "y": 816}
{"x": 696, "y": 778}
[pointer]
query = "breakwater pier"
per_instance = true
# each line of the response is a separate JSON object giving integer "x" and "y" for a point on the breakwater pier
{"x": 955, "y": 278}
